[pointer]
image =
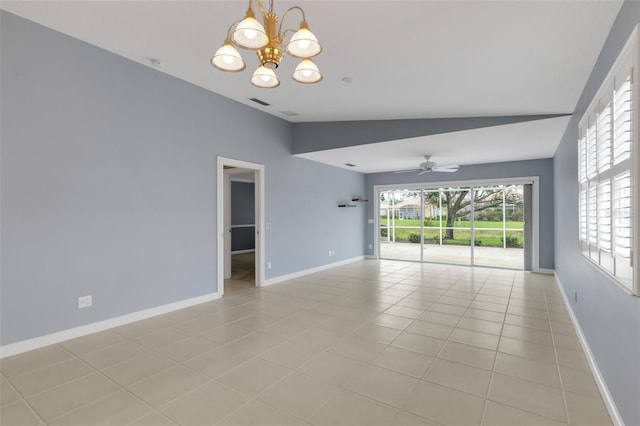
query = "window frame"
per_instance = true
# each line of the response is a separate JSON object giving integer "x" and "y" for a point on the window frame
{"x": 588, "y": 182}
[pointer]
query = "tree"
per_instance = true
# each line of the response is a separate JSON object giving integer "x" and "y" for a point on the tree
{"x": 458, "y": 204}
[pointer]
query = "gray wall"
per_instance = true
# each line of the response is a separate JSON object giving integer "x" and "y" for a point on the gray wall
{"x": 243, "y": 213}
{"x": 311, "y": 137}
{"x": 242, "y": 203}
{"x": 608, "y": 316}
{"x": 109, "y": 185}
{"x": 542, "y": 168}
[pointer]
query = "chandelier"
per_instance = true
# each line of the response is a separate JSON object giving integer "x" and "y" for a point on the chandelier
{"x": 249, "y": 33}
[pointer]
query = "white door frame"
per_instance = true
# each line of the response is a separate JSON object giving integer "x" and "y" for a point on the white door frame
{"x": 222, "y": 190}
{"x": 533, "y": 180}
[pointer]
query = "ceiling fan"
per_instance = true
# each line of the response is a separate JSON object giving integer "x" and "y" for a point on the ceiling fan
{"x": 430, "y": 166}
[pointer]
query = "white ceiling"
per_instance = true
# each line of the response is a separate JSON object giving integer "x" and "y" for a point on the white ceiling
{"x": 512, "y": 142}
{"x": 407, "y": 59}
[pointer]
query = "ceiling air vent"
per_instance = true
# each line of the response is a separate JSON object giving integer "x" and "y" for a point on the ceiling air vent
{"x": 289, "y": 113}
{"x": 349, "y": 165}
{"x": 259, "y": 101}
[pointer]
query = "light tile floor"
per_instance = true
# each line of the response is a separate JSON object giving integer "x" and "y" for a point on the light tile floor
{"x": 370, "y": 343}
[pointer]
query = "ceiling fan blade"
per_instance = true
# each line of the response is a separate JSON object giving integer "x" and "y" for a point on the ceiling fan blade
{"x": 423, "y": 172}
{"x": 406, "y": 171}
{"x": 446, "y": 169}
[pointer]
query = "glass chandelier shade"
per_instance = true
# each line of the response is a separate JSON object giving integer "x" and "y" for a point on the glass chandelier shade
{"x": 268, "y": 40}
{"x": 227, "y": 58}
{"x": 249, "y": 33}
{"x": 303, "y": 43}
{"x": 265, "y": 78}
{"x": 307, "y": 72}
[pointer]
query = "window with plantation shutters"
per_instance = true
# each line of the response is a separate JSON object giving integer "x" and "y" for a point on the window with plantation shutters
{"x": 583, "y": 216}
{"x": 608, "y": 137}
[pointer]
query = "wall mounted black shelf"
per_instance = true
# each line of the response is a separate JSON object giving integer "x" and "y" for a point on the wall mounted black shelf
{"x": 360, "y": 200}
{"x": 347, "y": 205}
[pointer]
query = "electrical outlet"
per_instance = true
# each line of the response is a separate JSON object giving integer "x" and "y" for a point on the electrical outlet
{"x": 84, "y": 302}
{"x": 268, "y": 265}
{"x": 333, "y": 252}
{"x": 370, "y": 246}
{"x": 330, "y": 253}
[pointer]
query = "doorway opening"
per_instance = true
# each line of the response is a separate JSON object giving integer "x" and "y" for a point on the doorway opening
{"x": 480, "y": 224}
{"x": 240, "y": 221}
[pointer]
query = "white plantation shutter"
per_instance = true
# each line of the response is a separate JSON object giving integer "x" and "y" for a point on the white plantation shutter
{"x": 622, "y": 226}
{"x": 582, "y": 154}
{"x": 622, "y": 208}
{"x": 592, "y": 153}
{"x": 606, "y": 145}
{"x": 592, "y": 220}
{"x": 583, "y": 216}
{"x": 622, "y": 120}
{"x": 603, "y": 138}
{"x": 604, "y": 216}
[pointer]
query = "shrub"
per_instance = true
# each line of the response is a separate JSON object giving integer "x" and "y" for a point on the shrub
{"x": 489, "y": 215}
{"x": 481, "y": 216}
{"x": 516, "y": 216}
{"x": 477, "y": 243}
{"x": 414, "y": 238}
{"x": 383, "y": 232}
{"x": 511, "y": 241}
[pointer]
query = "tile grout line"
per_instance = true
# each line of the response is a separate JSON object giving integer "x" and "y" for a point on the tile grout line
{"x": 214, "y": 380}
{"x": 294, "y": 371}
{"x": 73, "y": 356}
{"x": 329, "y": 316}
{"x": 22, "y": 399}
{"x": 149, "y": 413}
{"x": 342, "y": 387}
{"x": 431, "y": 364}
{"x": 99, "y": 372}
{"x": 495, "y": 360}
{"x": 555, "y": 354}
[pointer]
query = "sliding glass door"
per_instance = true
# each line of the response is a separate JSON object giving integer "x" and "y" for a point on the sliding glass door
{"x": 434, "y": 221}
{"x": 401, "y": 216}
{"x": 476, "y": 225}
{"x": 456, "y": 240}
{"x": 499, "y": 226}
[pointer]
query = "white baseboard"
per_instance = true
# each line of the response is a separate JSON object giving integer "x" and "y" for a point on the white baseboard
{"x": 304, "y": 272}
{"x": 545, "y": 271}
{"x": 602, "y": 385}
{"x": 83, "y": 330}
{"x": 370, "y": 256}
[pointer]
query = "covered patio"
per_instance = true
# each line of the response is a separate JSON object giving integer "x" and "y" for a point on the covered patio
{"x": 512, "y": 258}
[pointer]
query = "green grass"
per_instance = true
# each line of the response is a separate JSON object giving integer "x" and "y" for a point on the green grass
{"x": 462, "y": 224}
{"x": 462, "y": 236}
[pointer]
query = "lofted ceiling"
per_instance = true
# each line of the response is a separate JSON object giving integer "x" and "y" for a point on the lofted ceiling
{"x": 512, "y": 142}
{"x": 405, "y": 60}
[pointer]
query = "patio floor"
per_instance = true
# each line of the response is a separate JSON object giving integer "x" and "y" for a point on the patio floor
{"x": 512, "y": 258}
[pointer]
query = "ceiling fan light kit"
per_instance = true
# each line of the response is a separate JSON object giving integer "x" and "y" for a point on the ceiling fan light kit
{"x": 267, "y": 40}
